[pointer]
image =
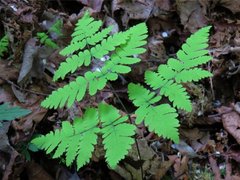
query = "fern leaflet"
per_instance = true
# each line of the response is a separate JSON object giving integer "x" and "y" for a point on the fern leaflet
{"x": 4, "y": 42}
{"x": 115, "y": 132}
{"x": 44, "y": 39}
{"x": 77, "y": 140}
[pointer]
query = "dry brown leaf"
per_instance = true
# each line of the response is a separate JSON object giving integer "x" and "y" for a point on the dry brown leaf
{"x": 191, "y": 14}
{"x": 165, "y": 165}
{"x": 232, "y": 5}
{"x": 96, "y": 5}
{"x": 36, "y": 172}
{"x": 181, "y": 167}
{"x": 231, "y": 122}
{"x": 7, "y": 72}
{"x": 138, "y": 9}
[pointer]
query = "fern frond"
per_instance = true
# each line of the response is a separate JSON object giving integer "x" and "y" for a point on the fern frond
{"x": 141, "y": 96}
{"x": 44, "y": 39}
{"x": 195, "y": 46}
{"x": 57, "y": 27}
{"x": 85, "y": 27}
{"x": 126, "y": 45}
{"x": 181, "y": 70}
{"x": 167, "y": 82}
{"x": 4, "y": 42}
{"x": 67, "y": 94}
{"x": 72, "y": 63}
{"x": 177, "y": 94}
{"x": 161, "y": 119}
{"x": 75, "y": 141}
{"x": 197, "y": 74}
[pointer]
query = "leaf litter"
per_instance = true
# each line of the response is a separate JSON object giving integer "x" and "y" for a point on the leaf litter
{"x": 210, "y": 136}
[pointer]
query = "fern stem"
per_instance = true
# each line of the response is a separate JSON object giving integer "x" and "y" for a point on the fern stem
{"x": 131, "y": 121}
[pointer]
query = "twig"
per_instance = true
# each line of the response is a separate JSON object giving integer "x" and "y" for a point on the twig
{"x": 22, "y": 89}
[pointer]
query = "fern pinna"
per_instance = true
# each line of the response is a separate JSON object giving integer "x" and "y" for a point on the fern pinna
{"x": 89, "y": 42}
{"x": 167, "y": 81}
{"x": 77, "y": 140}
{"x": 4, "y": 42}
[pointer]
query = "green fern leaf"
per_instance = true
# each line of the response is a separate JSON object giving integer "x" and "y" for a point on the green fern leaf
{"x": 178, "y": 95}
{"x": 4, "y": 42}
{"x": 44, "y": 39}
{"x": 57, "y": 27}
{"x": 167, "y": 82}
{"x": 67, "y": 94}
{"x": 75, "y": 141}
{"x": 117, "y": 134}
{"x": 123, "y": 47}
{"x": 141, "y": 96}
{"x": 163, "y": 121}
{"x": 195, "y": 46}
{"x": 192, "y": 75}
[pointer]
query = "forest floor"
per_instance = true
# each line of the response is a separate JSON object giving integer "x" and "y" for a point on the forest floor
{"x": 209, "y": 145}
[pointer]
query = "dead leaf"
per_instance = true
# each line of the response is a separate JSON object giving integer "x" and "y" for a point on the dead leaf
{"x": 138, "y": 9}
{"x": 4, "y": 143}
{"x": 33, "y": 61}
{"x": 36, "y": 172}
{"x": 7, "y": 72}
{"x": 165, "y": 165}
{"x": 232, "y": 5}
{"x": 231, "y": 122}
{"x": 185, "y": 149}
{"x": 215, "y": 168}
{"x": 96, "y": 5}
{"x": 191, "y": 14}
{"x": 30, "y": 52}
{"x": 181, "y": 167}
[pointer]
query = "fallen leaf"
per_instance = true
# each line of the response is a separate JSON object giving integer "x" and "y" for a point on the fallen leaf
{"x": 165, "y": 166}
{"x": 96, "y": 5}
{"x": 185, "y": 149}
{"x": 7, "y": 72}
{"x": 181, "y": 167}
{"x": 232, "y": 5}
{"x": 36, "y": 172}
{"x": 231, "y": 122}
{"x": 139, "y": 9}
{"x": 33, "y": 61}
{"x": 191, "y": 14}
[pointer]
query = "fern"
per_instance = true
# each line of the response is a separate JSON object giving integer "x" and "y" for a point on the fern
{"x": 77, "y": 140}
{"x": 162, "y": 119}
{"x": 4, "y": 42}
{"x": 57, "y": 27}
{"x": 89, "y": 42}
{"x": 44, "y": 39}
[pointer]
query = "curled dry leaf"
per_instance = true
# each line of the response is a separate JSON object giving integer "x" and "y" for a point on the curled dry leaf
{"x": 231, "y": 122}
